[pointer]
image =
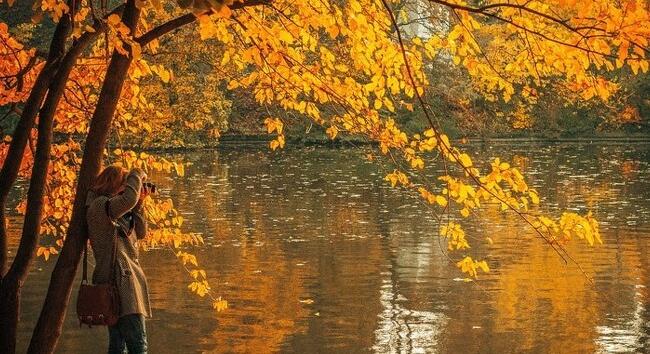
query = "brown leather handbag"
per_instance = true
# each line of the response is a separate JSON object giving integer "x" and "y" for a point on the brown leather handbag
{"x": 98, "y": 304}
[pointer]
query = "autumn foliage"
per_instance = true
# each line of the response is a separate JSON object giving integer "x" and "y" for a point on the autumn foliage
{"x": 350, "y": 67}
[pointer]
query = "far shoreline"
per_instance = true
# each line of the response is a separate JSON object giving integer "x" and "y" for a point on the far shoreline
{"x": 229, "y": 142}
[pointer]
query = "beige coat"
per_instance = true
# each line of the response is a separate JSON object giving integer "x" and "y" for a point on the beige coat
{"x": 129, "y": 277}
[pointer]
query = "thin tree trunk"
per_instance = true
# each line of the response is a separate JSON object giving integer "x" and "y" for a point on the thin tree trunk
{"x": 14, "y": 158}
{"x": 14, "y": 279}
{"x": 50, "y": 322}
{"x": 10, "y": 290}
{"x": 9, "y": 295}
{"x": 12, "y": 282}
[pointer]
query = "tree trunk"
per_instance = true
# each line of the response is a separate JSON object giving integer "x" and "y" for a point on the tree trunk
{"x": 10, "y": 290}
{"x": 50, "y": 322}
{"x": 9, "y": 314}
{"x": 14, "y": 157}
{"x": 14, "y": 279}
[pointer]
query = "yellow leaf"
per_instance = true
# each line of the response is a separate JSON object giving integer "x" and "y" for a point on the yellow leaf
{"x": 442, "y": 201}
{"x": 484, "y": 266}
{"x": 644, "y": 66}
{"x": 113, "y": 19}
{"x": 332, "y": 132}
{"x": 206, "y": 27}
{"x": 533, "y": 197}
{"x": 220, "y": 304}
{"x": 333, "y": 31}
{"x": 225, "y": 59}
{"x": 164, "y": 75}
{"x": 392, "y": 178}
{"x": 224, "y": 12}
{"x": 389, "y": 104}
{"x": 465, "y": 160}
{"x": 356, "y": 7}
{"x": 286, "y": 37}
{"x": 180, "y": 169}
{"x": 157, "y": 5}
{"x": 273, "y": 124}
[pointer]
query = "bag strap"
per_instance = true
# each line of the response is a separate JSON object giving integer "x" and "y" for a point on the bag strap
{"x": 84, "y": 279}
{"x": 113, "y": 254}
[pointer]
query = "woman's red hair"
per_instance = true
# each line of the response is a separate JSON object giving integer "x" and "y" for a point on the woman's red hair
{"x": 109, "y": 181}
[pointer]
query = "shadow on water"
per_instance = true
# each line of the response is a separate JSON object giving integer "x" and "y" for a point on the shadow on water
{"x": 315, "y": 253}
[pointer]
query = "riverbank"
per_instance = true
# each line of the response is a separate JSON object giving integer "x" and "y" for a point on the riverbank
{"x": 229, "y": 141}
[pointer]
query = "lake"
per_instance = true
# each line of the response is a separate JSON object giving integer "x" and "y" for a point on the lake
{"x": 316, "y": 253}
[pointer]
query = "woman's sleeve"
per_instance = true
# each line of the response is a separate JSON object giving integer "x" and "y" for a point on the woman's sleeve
{"x": 140, "y": 223}
{"x": 121, "y": 203}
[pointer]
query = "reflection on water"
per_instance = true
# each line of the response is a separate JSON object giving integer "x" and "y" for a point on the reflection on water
{"x": 403, "y": 330}
{"x": 316, "y": 254}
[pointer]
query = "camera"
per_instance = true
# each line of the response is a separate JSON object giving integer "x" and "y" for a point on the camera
{"x": 149, "y": 188}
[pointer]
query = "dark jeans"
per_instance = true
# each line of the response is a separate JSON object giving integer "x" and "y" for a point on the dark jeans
{"x": 129, "y": 332}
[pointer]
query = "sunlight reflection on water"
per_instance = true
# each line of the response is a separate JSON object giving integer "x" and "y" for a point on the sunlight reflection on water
{"x": 315, "y": 253}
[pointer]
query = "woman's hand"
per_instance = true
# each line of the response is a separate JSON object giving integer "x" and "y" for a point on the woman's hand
{"x": 143, "y": 194}
{"x": 140, "y": 172}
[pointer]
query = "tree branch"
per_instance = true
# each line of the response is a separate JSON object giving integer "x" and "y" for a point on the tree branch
{"x": 557, "y": 248}
{"x": 482, "y": 9}
{"x": 186, "y": 19}
{"x": 562, "y": 22}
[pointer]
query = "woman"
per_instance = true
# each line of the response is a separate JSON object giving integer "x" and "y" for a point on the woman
{"x": 114, "y": 214}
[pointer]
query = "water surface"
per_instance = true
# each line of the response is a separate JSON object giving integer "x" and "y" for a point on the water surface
{"x": 315, "y": 253}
